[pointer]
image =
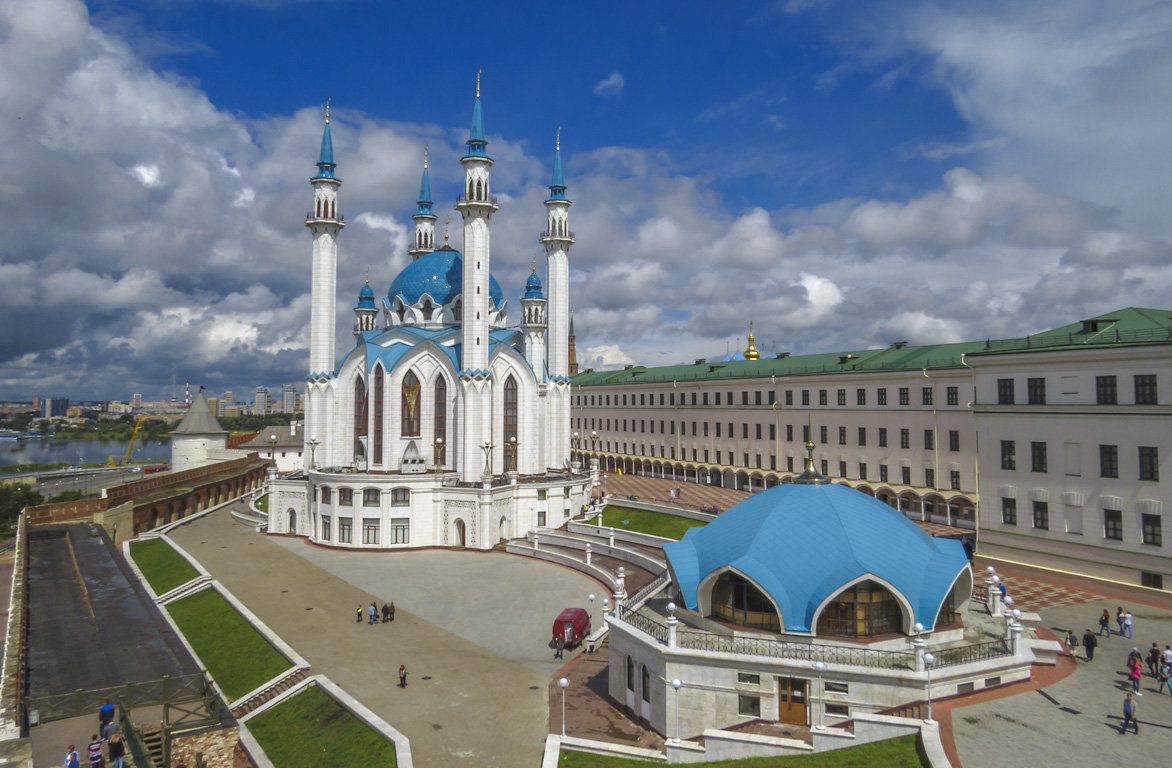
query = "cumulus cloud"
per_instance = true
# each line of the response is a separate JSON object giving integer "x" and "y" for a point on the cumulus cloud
{"x": 610, "y": 86}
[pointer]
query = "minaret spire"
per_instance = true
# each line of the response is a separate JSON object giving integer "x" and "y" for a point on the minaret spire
{"x": 557, "y": 239}
{"x": 424, "y": 219}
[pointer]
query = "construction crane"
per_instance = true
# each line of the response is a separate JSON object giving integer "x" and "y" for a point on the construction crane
{"x": 117, "y": 461}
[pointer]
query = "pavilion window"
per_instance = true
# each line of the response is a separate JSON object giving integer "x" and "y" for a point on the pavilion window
{"x": 863, "y": 610}
{"x": 738, "y": 601}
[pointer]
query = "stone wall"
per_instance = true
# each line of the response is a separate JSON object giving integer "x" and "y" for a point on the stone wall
{"x": 12, "y": 678}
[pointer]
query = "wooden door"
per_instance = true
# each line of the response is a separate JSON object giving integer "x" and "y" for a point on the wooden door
{"x": 791, "y": 700}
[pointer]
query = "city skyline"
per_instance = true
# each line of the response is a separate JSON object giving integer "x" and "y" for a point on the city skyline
{"x": 817, "y": 157}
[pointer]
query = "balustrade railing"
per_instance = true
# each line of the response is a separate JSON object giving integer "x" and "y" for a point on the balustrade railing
{"x": 965, "y": 654}
{"x": 646, "y": 591}
{"x": 780, "y": 649}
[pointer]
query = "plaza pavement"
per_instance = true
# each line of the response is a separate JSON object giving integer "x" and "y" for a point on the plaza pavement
{"x": 472, "y": 628}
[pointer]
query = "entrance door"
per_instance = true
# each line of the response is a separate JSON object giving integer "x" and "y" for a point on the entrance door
{"x": 292, "y": 521}
{"x": 459, "y": 533}
{"x": 791, "y": 700}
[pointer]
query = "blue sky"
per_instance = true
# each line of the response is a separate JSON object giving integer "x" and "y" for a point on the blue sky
{"x": 842, "y": 174}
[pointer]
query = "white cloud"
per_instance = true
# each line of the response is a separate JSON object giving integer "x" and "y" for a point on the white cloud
{"x": 610, "y": 86}
{"x": 147, "y": 175}
{"x": 244, "y": 198}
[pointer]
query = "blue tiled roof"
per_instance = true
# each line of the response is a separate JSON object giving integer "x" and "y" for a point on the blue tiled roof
{"x": 325, "y": 160}
{"x": 440, "y": 275}
{"x": 391, "y": 354}
{"x": 802, "y": 544}
{"x": 366, "y": 298}
{"x": 557, "y": 187}
{"x": 533, "y": 287}
{"x": 425, "y": 192}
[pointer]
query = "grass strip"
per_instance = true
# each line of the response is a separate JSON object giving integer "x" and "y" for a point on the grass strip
{"x": 893, "y": 753}
{"x": 163, "y": 567}
{"x": 238, "y": 657}
{"x": 644, "y": 521}
{"x": 311, "y": 730}
{"x": 263, "y": 503}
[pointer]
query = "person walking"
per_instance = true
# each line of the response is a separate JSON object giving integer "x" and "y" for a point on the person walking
{"x": 1128, "y": 626}
{"x": 1071, "y": 644}
{"x": 1153, "y": 660}
{"x": 1088, "y": 643}
{"x": 559, "y": 644}
{"x": 1168, "y": 655}
{"x": 402, "y": 675}
{"x": 360, "y": 614}
{"x": 105, "y": 717}
{"x": 1136, "y": 674}
{"x": 1130, "y": 712}
{"x": 392, "y": 611}
{"x": 95, "y": 752}
{"x": 1163, "y": 675}
{"x": 1105, "y": 623}
{"x": 1119, "y": 618}
{"x": 386, "y": 612}
{"x": 72, "y": 759}
{"x": 373, "y": 613}
{"x": 116, "y": 747}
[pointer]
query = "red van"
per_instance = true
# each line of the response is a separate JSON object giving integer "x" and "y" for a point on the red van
{"x": 572, "y": 626}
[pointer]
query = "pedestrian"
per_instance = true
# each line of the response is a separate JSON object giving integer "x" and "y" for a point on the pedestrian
{"x": 392, "y": 611}
{"x": 1163, "y": 676}
{"x": 1004, "y": 590}
{"x": 72, "y": 759}
{"x": 116, "y": 746}
{"x": 402, "y": 675}
{"x": 359, "y": 614}
{"x": 1136, "y": 674}
{"x": 1088, "y": 643}
{"x": 95, "y": 752}
{"x": 373, "y": 613}
{"x": 105, "y": 717}
{"x": 1119, "y": 618}
{"x": 1105, "y": 623}
{"x": 1128, "y": 625}
{"x": 1130, "y": 712}
{"x": 559, "y": 644}
{"x": 1153, "y": 660}
{"x": 1071, "y": 644}
{"x": 386, "y": 613}
{"x": 1168, "y": 655}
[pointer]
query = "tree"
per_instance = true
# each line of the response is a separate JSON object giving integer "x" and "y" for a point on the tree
{"x": 14, "y": 498}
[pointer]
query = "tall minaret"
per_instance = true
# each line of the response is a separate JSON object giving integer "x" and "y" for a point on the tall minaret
{"x": 424, "y": 219}
{"x": 476, "y": 205}
{"x": 324, "y": 224}
{"x": 572, "y": 347}
{"x": 558, "y": 239}
{"x": 533, "y": 323}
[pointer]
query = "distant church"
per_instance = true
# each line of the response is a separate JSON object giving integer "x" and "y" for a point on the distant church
{"x": 443, "y": 425}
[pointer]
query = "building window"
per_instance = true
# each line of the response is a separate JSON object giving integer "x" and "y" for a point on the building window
{"x": 929, "y": 477}
{"x": 953, "y": 395}
{"x": 861, "y": 396}
{"x": 1149, "y": 463}
{"x": 842, "y": 469}
{"x": 789, "y": 433}
{"x": 926, "y": 395}
{"x": 773, "y": 432}
{"x": 410, "y": 405}
{"x": 1008, "y": 511}
{"x": 789, "y": 397}
{"x": 789, "y": 463}
{"x": 825, "y": 467}
{"x": 749, "y": 706}
{"x": 400, "y": 530}
{"x": 1108, "y": 461}
{"x": 1037, "y": 457}
{"x": 881, "y": 395}
{"x": 345, "y": 497}
{"x": 1153, "y": 533}
{"x": 823, "y": 435}
{"x": 1105, "y": 390}
{"x": 758, "y": 430}
{"x": 905, "y": 438}
{"x": 904, "y": 397}
{"x": 378, "y": 414}
{"x": 842, "y": 435}
{"x": 863, "y": 610}
{"x": 359, "y": 416}
{"x": 325, "y": 494}
{"x": 862, "y": 471}
{"x": 1008, "y": 454}
{"x": 954, "y": 440}
{"x": 838, "y": 710}
{"x": 1005, "y": 391}
{"x": 541, "y": 518}
{"x": 510, "y": 424}
{"x": 805, "y": 397}
{"x": 1152, "y": 580}
{"x": 325, "y": 527}
{"x": 954, "y": 479}
{"x": 906, "y": 475}
{"x": 883, "y": 473}
{"x": 1036, "y": 391}
{"x": 631, "y": 674}
{"x": 1145, "y": 389}
{"x": 370, "y": 530}
{"x": 842, "y": 397}
{"x": 822, "y": 397}
{"x": 345, "y": 528}
{"x": 370, "y": 497}
{"x": 646, "y": 684}
{"x": 862, "y": 436}
{"x": 929, "y": 439}
{"x": 748, "y": 678}
{"x": 1113, "y": 524}
{"x": 882, "y": 437}
{"x": 830, "y": 687}
{"x": 1042, "y": 515}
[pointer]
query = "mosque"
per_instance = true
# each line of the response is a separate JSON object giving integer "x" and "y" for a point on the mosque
{"x": 444, "y": 425}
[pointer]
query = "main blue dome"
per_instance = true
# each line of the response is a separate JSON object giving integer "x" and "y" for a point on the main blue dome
{"x": 802, "y": 544}
{"x": 440, "y": 275}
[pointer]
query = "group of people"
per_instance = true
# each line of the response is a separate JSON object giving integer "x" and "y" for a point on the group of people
{"x": 1159, "y": 665}
{"x": 387, "y": 612}
{"x": 108, "y": 742}
{"x": 1123, "y": 619}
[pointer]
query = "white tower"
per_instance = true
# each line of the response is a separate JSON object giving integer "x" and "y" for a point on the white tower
{"x": 533, "y": 324}
{"x": 557, "y": 239}
{"x": 424, "y": 219}
{"x": 476, "y": 205}
{"x": 324, "y": 224}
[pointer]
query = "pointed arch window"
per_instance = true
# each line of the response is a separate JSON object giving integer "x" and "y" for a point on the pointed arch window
{"x": 510, "y": 418}
{"x": 458, "y": 311}
{"x": 378, "y": 414}
{"x": 866, "y": 609}
{"x": 410, "y": 422}
{"x": 359, "y": 415}
{"x": 441, "y": 417}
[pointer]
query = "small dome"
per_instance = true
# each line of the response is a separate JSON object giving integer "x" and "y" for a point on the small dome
{"x": 533, "y": 287}
{"x": 366, "y": 298}
{"x": 440, "y": 275}
{"x": 804, "y": 544}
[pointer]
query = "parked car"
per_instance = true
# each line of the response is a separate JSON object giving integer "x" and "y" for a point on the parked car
{"x": 572, "y": 625}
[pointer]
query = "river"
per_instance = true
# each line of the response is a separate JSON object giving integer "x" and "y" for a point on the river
{"x": 54, "y": 451}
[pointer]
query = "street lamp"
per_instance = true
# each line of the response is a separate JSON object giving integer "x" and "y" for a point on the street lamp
{"x": 675, "y": 683}
{"x": 313, "y": 443}
{"x": 820, "y": 667}
{"x": 273, "y": 447}
{"x": 929, "y": 660}
{"x": 591, "y": 598}
{"x": 439, "y": 453}
{"x": 512, "y": 453}
{"x": 563, "y": 683}
{"x": 487, "y": 448}
{"x": 605, "y": 606}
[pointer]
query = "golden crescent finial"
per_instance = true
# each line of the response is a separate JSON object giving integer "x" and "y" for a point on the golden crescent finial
{"x": 446, "y": 222}
{"x": 559, "y": 139}
{"x": 368, "y": 275}
{"x": 327, "y": 110}
{"x": 535, "y": 263}
{"x": 478, "y": 83}
{"x": 425, "y": 156}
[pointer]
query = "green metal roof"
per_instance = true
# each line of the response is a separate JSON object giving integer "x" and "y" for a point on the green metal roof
{"x": 1127, "y": 327}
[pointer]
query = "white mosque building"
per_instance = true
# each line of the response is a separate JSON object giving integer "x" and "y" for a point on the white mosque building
{"x": 444, "y": 425}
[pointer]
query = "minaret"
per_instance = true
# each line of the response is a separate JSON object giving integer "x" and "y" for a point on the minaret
{"x": 424, "y": 219}
{"x": 476, "y": 205}
{"x": 557, "y": 239}
{"x": 571, "y": 348}
{"x": 365, "y": 311}
{"x": 324, "y": 224}
{"x": 533, "y": 323}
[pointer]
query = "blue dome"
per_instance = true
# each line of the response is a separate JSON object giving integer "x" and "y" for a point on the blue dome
{"x": 533, "y": 287}
{"x": 366, "y": 298}
{"x": 803, "y": 544}
{"x": 440, "y": 275}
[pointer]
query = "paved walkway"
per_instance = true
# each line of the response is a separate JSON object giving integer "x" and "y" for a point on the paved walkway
{"x": 472, "y": 629}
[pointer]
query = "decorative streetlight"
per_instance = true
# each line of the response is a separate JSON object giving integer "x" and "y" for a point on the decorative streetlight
{"x": 820, "y": 667}
{"x": 439, "y": 454}
{"x": 929, "y": 660}
{"x": 313, "y": 443}
{"x": 273, "y": 447}
{"x": 563, "y": 683}
{"x": 591, "y": 599}
{"x": 487, "y": 448}
{"x": 512, "y": 446}
{"x": 605, "y": 607}
{"x": 675, "y": 683}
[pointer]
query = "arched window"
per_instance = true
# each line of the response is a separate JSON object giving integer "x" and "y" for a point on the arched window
{"x": 646, "y": 684}
{"x": 479, "y": 190}
{"x": 865, "y": 610}
{"x": 410, "y": 418}
{"x": 378, "y": 414}
{"x": 359, "y": 415}
{"x": 510, "y": 425}
{"x": 631, "y": 674}
{"x": 458, "y": 311}
{"x": 739, "y": 601}
{"x": 318, "y": 208}
{"x": 427, "y": 309}
{"x": 441, "y": 416}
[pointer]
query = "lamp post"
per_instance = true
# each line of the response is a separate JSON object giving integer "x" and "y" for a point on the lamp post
{"x": 487, "y": 448}
{"x": 820, "y": 667}
{"x": 512, "y": 458}
{"x": 574, "y": 440}
{"x": 313, "y": 443}
{"x": 605, "y": 607}
{"x": 439, "y": 454}
{"x": 273, "y": 447}
{"x": 563, "y": 683}
{"x": 591, "y": 598}
{"x": 675, "y": 683}
{"x": 929, "y": 660}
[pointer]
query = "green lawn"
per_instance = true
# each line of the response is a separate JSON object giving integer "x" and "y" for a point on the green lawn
{"x": 311, "y": 730}
{"x": 263, "y": 503}
{"x": 655, "y": 523}
{"x": 163, "y": 567}
{"x": 903, "y": 752}
{"x": 238, "y": 657}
